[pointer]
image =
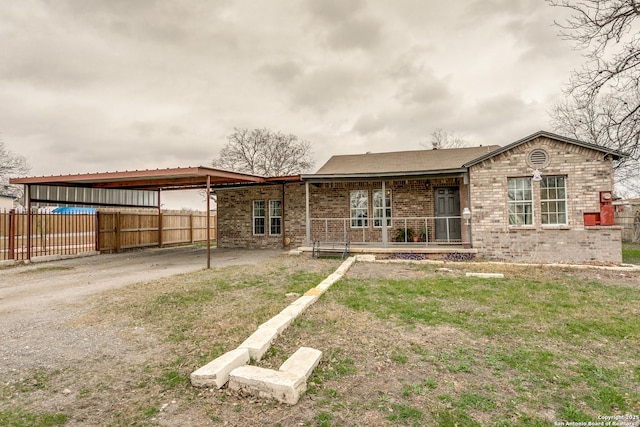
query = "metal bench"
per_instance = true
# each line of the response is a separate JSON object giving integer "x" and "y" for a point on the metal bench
{"x": 320, "y": 247}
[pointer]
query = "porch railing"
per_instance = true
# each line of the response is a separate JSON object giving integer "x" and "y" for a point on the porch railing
{"x": 399, "y": 230}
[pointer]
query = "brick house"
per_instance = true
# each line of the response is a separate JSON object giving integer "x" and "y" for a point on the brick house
{"x": 543, "y": 198}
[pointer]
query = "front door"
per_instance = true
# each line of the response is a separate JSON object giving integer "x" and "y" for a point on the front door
{"x": 447, "y": 200}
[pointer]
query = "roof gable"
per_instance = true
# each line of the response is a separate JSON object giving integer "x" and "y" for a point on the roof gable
{"x": 616, "y": 154}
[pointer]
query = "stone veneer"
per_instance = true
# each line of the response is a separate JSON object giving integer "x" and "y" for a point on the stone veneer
{"x": 587, "y": 173}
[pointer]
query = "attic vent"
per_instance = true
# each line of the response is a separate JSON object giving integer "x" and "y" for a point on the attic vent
{"x": 538, "y": 158}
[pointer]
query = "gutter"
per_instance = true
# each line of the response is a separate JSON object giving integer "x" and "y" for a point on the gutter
{"x": 357, "y": 176}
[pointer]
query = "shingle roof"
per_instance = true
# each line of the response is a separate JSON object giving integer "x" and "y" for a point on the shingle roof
{"x": 402, "y": 162}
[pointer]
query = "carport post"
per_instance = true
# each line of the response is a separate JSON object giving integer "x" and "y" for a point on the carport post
{"x": 208, "y": 221}
{"x": 28, "y": 222}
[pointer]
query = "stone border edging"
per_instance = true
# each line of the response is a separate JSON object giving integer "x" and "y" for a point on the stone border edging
{"x": 289, "y": 382}
{"x": 621, "y": 267}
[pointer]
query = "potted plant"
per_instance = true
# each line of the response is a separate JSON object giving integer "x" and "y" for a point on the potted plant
{"x": 404, "y": 235}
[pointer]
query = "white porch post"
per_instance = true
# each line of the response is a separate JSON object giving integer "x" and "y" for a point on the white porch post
{"x": 308, "y": 221}
{"x": 385, "y": 237}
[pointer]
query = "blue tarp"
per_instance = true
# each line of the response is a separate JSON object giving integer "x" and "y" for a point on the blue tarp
{"x": 73, "y": 210}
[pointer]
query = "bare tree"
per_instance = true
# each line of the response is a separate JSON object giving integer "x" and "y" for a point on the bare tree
{"x": 603, "y": 105}
{"x": 444, "y": 139}
{"x": 590, "y": 123}
{"x": 11, "y": 165}
{"x": 264, "y": 152}
{"x": 608, "y": 83}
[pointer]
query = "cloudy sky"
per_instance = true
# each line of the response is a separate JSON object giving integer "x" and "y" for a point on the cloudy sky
{"x": 104, "y": 85}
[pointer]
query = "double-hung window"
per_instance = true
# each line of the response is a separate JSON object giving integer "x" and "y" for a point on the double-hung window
{"x": 359, "y": 207}
{"x": 520, "y": 201}
{"x": 275, "y": 217}
{"x": 381, "y": 208}
{"x": 258, "y": 217}
{"x": 553, "y": 200}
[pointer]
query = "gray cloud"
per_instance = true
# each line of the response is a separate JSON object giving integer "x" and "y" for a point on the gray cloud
{"x": 322, "y": 88}
{"x": 282, "y": 72}
{"x": 116, "y": 84}
{"x": 346, "y": 24}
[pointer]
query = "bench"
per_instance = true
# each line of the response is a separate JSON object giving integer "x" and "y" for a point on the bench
{"x": 337, "y": 247}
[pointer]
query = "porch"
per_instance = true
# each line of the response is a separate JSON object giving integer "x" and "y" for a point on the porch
{"x": 438, "y": 236}
{"x": 433, "y": 250}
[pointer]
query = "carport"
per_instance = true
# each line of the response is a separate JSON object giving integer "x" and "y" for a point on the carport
{"x": 133, "y": 189}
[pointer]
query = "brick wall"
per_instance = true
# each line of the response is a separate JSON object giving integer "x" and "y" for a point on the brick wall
{"x": 235, "y": 216}
{"x": 587, "y": 173}
{"x": 410, "y": 198}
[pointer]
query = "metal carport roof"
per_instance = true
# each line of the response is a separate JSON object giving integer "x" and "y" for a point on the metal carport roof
{"x": 156, "y": 180}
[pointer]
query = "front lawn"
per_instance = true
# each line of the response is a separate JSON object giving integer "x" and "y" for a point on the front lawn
{"x": 631, "y": 253}
{"x": 403, "y": 344}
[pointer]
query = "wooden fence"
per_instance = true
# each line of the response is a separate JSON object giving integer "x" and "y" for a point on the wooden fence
{"x": 72, "y": 234}
{"x": 629, "y": 219}
{"x": 128, "y": 230}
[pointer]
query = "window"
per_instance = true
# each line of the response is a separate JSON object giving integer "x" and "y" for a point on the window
{"x": 258, "y": 217}
{"x": 275, "y": 217}
{"x": 520, "y": 201}
{"x": 359, "y": 204}
{"x": 553, "y": 200}
{"x": 379, "y": 208}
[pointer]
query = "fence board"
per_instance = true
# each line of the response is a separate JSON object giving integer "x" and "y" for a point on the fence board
{"x": 128, "y": 230}
{"x": 111, "y": 231}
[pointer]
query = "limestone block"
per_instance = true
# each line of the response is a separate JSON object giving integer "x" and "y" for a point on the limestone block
{"x": 324, "y": 285}
{"x": 314, "y": 292}
{"x": 486, "y": 275}
{"x": 293, "y": 310}
{"x": 302, "y": 362}
{"x": 284, "y": 387}
{"x": 279, "y": 322}
{"x": 259, "y": 342}
{"x": 366, "y": 258}
{"x": 305, "y": 300}
{"x": 216, "y": 372}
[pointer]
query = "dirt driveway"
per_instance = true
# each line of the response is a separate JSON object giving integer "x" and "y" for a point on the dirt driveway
{"x": 37, "y": 299}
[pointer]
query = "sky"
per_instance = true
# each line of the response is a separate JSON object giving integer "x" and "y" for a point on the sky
{"x": 112, "y": 85}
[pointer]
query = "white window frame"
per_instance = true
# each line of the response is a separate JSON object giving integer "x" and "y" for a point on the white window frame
{"x": 359, "y": 208}
{"x": 378, "y": 209}
{"x": 275, "y": 215}
{"x": 553, "y": 201}
{"x": 259, "y": 213}
{"x": 518, "y": 202}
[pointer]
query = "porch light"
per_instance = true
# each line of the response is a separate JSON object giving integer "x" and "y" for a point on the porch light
{"x": 537, "y": 176}
{"x": 466, "y": 214}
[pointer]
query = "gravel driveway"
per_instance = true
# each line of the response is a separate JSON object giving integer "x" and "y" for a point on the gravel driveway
{"x": 38, "y": 300}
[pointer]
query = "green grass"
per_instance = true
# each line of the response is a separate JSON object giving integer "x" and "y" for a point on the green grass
{"x": 552, "y": 338}
{"x": 532, "y": 349}
{"x": 21, "y": 418}
{"x": 631, "y": 253}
